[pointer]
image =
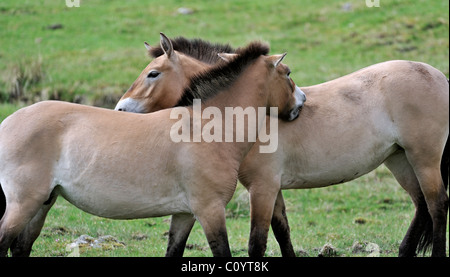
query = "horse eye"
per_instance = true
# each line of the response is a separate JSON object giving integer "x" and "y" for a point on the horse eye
{"x": 289, "y": 73}
{"x": 153, "y": 74}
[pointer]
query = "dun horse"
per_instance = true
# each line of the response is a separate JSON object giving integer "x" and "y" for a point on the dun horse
{"x": 123, "y": 165}
{"x": 394, "y": 113}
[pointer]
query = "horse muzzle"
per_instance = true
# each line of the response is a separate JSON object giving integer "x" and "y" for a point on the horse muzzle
{"x": 130, "y": 105}
{"x": 300, "y": 99}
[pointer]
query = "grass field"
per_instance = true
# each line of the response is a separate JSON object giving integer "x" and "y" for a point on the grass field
{"x": 93, "y": 53}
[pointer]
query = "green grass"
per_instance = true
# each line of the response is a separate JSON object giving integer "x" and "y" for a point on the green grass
{"x": 99, "y": 49}
{"x": 99, "y": 52}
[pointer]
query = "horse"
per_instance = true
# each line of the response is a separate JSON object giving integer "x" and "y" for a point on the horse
{"x": 395, "y": 112}
{"x": 125, "y": 166}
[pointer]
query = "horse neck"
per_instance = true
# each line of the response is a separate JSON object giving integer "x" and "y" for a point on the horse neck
{"x": 247, "y": 92}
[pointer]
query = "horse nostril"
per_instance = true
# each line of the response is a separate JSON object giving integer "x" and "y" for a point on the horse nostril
{"x": 120, "y": 110}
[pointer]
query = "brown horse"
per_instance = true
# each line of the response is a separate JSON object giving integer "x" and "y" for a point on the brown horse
{"x": 394, "y": 113}
{"x": 123, "y": 165}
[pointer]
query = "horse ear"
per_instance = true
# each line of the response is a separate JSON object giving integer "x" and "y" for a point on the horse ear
{"x": 276, "y": 59}
{"x": 166, "y": 45}
{"x": 226, "y": 56}
{"x": 149, "y": 48}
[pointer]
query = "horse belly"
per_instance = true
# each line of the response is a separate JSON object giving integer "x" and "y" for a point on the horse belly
{"x": 123, "y": 203}
{"x": 322, "y": 177}
{"x": 334, "y": 167}
{"x": 119, "y": 188}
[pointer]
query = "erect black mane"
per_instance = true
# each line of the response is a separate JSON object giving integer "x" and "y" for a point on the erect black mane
{"x": 196, "y": 48}
{"x": 209, "y": 83}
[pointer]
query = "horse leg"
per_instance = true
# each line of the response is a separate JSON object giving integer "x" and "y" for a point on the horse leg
{"x": 430, "y": 180}
{"x": 212, "y": 219}
{"x": 420, "y": 227}
{"x": 21, "y": 246}
{"x": 280, "y": 227}
{"x": 426, "y": 166}
{"x": 180, "y": 228}
{"x": 16, "y": 217}
{"x": 262, "y": 204}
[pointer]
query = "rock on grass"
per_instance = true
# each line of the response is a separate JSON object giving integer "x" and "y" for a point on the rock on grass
{"x": 328, "y": 250}
{"x": 372, "y": 249}
{"x": 104, "y": 242}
